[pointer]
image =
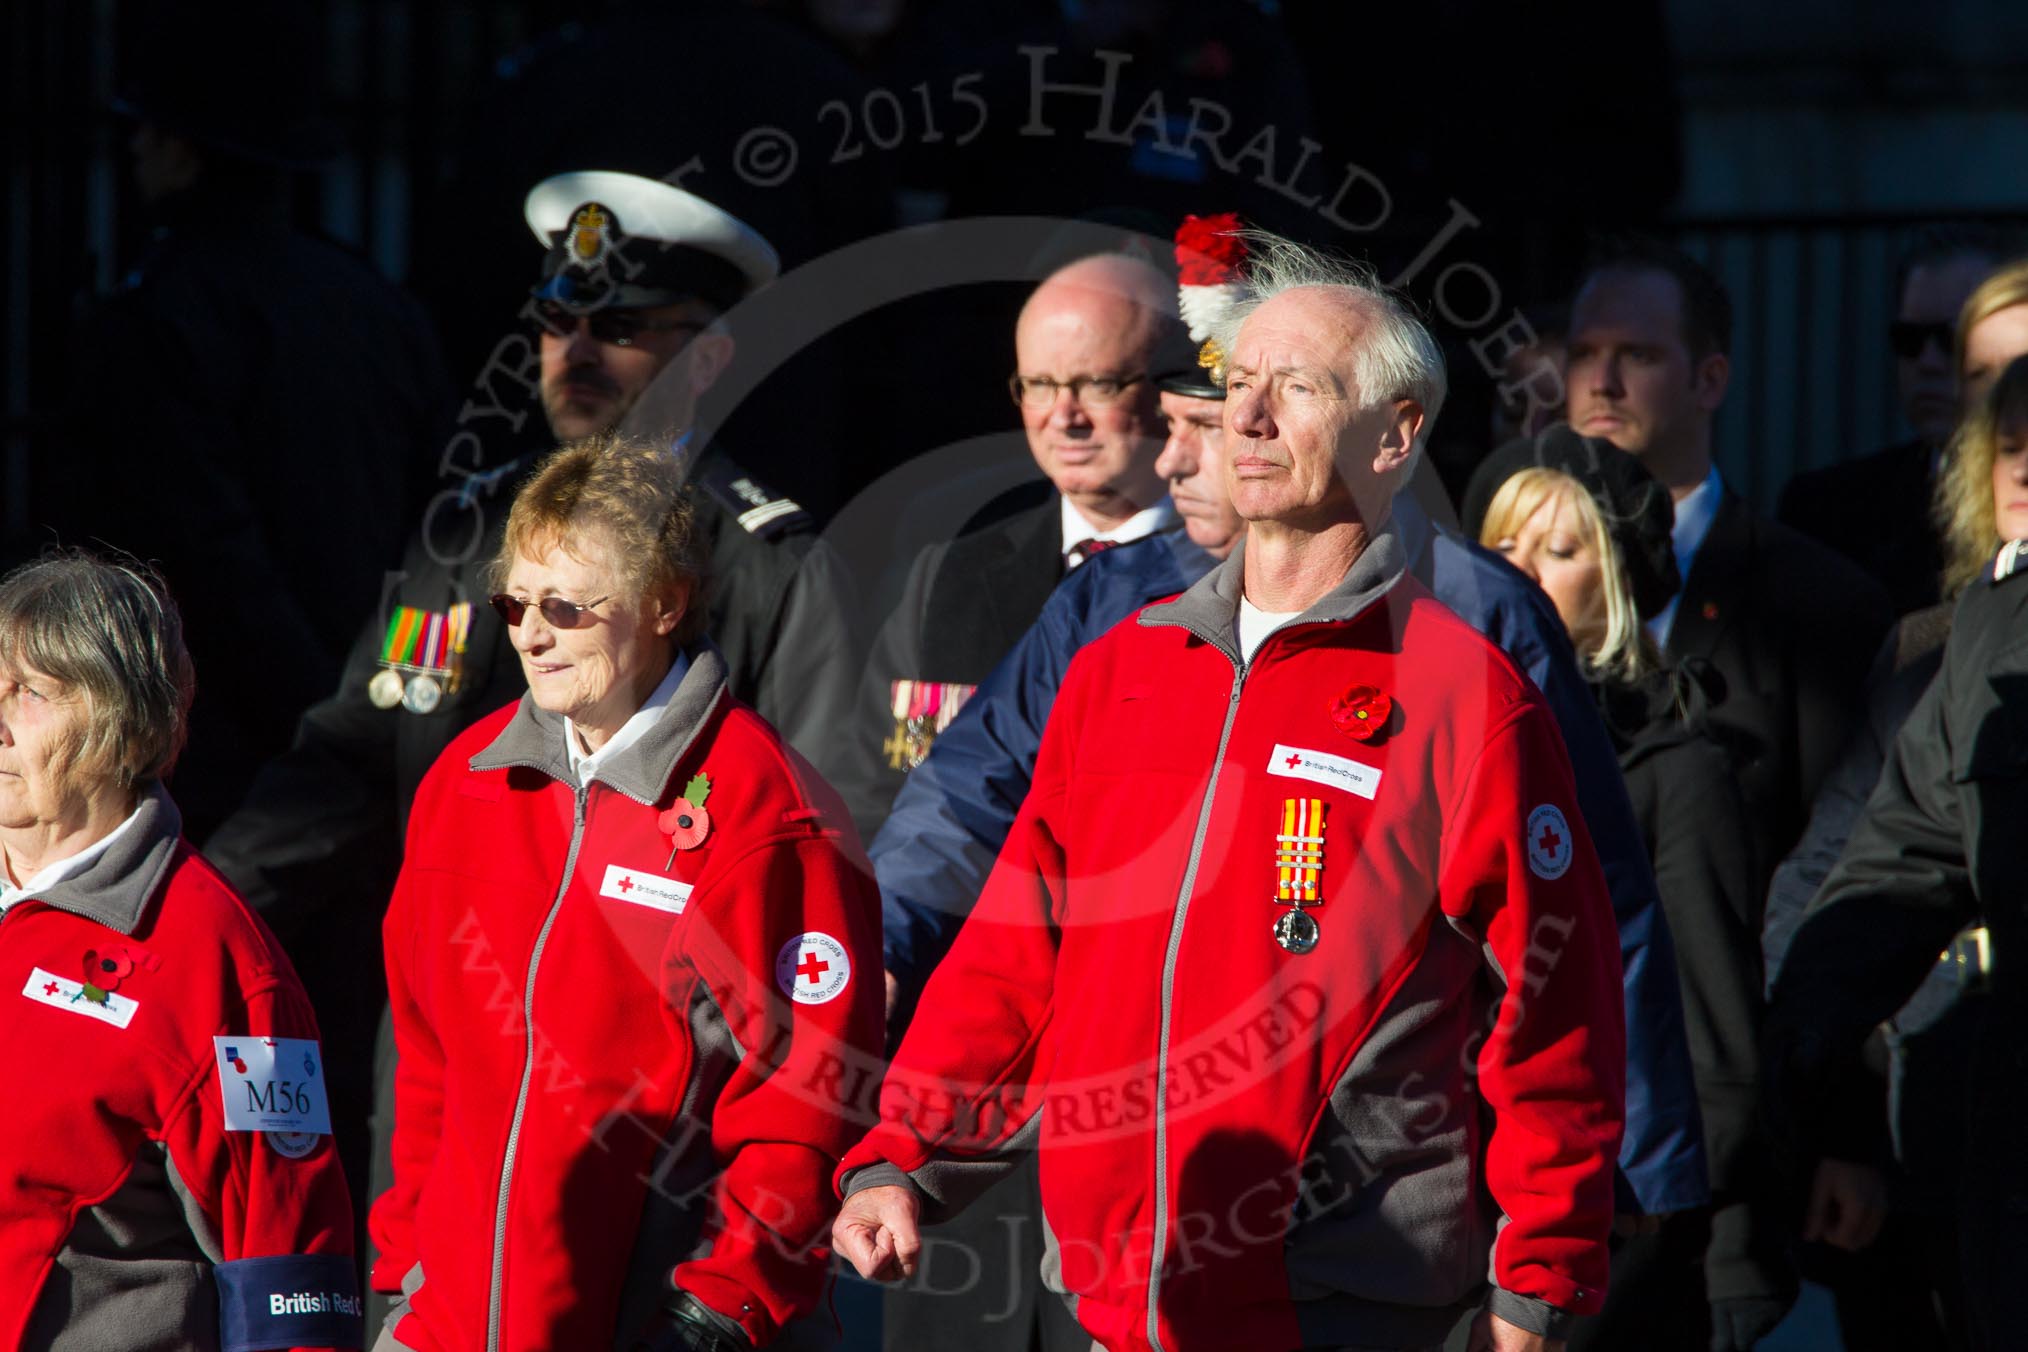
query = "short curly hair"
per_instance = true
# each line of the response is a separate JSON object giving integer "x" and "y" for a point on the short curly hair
{"x": 624, "y": 496}
{"x": 106, "y": 629}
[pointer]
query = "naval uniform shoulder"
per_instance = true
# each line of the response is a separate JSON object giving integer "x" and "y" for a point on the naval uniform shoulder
{"x": 758, "y": 508}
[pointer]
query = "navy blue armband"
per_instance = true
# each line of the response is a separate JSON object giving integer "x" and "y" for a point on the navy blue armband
{"x": 292, "y": 1300}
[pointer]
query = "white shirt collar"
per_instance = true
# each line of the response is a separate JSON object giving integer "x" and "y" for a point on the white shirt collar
{"x": 585, "y": 764}
{"x": 1695, "y": 511}
{"x": 1694, "y": 515}
{"x": 49, "y": 875}
{"x": 1139, "y": 526}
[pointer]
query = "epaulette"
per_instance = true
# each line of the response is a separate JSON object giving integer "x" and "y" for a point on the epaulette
{"x": 759, "y": 510}
{"x": 2008, "y": 561}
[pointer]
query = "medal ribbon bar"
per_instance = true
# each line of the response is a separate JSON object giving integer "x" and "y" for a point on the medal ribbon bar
{"x": 1299, "y": 851}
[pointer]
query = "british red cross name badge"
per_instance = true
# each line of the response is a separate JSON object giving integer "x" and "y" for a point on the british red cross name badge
{"x": 1299, "y": 872}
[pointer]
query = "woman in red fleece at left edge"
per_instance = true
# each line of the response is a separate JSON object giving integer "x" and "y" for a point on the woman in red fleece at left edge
{"x": 633, "y": 960}
{"x": 167, "y": 1176}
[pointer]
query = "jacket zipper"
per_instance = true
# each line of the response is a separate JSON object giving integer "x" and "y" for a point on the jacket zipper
{"x": 496, "y": 1289}
{"x": 1239, "y": 670}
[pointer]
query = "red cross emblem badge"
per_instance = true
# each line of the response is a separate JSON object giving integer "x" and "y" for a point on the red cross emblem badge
{"x": 813, "y": 968}
{"x": 1549, "y": 847}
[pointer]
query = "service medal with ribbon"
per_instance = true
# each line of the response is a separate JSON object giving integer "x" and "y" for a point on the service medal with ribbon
{"x": 421, "y": 657}
{"x": 922, "y": 709}
{"x": 1299, "y": 872}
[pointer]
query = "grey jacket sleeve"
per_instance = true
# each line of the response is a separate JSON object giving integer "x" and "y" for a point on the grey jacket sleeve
{"x": 946, "y": 1184}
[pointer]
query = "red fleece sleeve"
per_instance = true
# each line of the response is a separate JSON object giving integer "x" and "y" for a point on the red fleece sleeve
{"x": 1519, "y": 870}
{"x": 418, "y": 1103}
{"x": 278, "y": 1203}
{"x": 793, "y": 912}
{"x": 959, "y": 1088}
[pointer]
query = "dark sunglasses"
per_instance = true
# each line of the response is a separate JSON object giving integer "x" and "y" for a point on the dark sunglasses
{"x": 620, "y": 327}
{"x": 1908, "y": 338}
{"x": 557, "y": 613}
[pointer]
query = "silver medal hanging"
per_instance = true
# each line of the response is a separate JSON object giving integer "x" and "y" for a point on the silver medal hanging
{"x": 1299, "y": 872}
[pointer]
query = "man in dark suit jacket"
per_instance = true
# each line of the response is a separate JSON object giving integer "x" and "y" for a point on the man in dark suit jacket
{"x": 1876, "y": 510}
{"x": 1790, "y": 625}
{"x": 1088, "y": 346}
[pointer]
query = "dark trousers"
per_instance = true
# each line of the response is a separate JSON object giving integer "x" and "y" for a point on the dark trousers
{"x": 978, "y": 1288}
{"x": 1656, "y": 1300}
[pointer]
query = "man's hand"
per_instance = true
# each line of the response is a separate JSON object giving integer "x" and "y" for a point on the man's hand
{"x": 1848, "y": 1205}
{"x": 877, "y": 1231}
{"x": 893, "y": 995}
{"x": 1491, "y": 1333}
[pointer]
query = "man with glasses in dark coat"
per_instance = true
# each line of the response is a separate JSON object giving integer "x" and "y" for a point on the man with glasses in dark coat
{"x": 1091, "y": 343}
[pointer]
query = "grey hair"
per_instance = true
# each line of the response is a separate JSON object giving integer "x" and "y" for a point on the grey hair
{"x": 107, "y": 630}
{"x": 1398, "y": 360}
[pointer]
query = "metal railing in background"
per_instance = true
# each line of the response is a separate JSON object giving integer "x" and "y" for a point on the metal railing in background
{"x": 1812, "y": 374}
{"x": 402, "y": 77}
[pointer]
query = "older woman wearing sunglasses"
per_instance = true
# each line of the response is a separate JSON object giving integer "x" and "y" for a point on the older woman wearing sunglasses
{"x": 634, "y": 965}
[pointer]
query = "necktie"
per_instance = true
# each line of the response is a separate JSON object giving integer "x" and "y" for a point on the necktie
{"x": 1084, "y": 549}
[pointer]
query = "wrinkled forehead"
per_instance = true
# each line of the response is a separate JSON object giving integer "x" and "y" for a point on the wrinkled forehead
{"x": 1313, "y": 328}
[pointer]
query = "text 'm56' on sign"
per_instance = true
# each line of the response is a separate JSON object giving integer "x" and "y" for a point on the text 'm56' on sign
{"x": 273, "y": 1084}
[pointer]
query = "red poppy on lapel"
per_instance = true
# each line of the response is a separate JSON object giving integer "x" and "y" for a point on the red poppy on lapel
{"x": 1362, "y": 711}
{"x": 685, "y": 822}
{"x": 104, "y": 971}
